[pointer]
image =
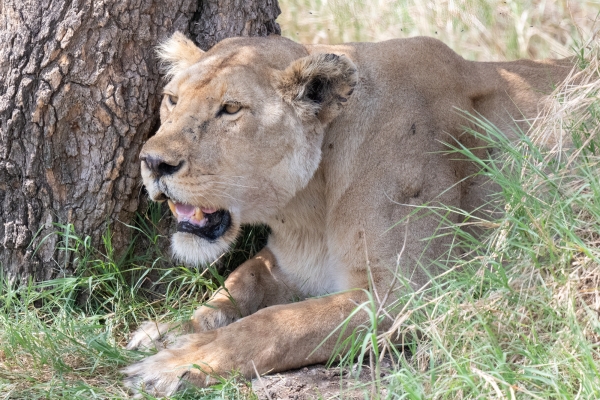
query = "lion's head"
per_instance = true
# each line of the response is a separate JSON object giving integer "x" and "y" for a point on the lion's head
{"x": 240, "y": 135}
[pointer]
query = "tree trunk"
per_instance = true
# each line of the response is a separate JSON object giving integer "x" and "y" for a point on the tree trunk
{"x": 220, "y": 19}
{"x": 79, "y": 94}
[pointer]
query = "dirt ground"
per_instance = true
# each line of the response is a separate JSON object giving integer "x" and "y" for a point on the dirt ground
{"x": 319, "y": 382}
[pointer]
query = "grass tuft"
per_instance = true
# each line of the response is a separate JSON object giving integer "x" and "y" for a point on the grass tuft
{"x": 64, "y": 338}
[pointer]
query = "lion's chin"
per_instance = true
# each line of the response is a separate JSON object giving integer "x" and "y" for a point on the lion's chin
{"x": 192, "y": 250}
{"x": 203, "y": 234}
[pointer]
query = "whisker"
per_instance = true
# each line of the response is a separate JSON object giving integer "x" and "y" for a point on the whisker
{"x": 210, "y": 204}
{"x": 223, "y": 194}
{"x": 235, "y": 185}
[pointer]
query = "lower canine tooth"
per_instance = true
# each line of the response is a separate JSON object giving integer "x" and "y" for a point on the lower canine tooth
{"x": 198, "y": 214}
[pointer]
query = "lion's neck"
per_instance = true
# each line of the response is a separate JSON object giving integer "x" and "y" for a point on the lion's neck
{"x": 298, "y": 241}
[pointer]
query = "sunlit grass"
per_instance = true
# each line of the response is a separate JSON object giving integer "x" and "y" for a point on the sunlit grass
{"x": 476, "y": 29}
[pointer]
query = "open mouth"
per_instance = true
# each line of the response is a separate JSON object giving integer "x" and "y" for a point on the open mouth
{"x": 207, "y": 223}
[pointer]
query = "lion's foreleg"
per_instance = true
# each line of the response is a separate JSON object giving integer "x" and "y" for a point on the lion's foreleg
{"x": 273, "y": 339}
{"x": 256, "y": 284}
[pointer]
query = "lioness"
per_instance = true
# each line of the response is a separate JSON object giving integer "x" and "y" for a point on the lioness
{"x": 331, "y": 146}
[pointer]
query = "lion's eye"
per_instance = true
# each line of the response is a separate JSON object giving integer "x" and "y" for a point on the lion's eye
{"x": 231, "y": 108}
{"x": 171, "y": 100}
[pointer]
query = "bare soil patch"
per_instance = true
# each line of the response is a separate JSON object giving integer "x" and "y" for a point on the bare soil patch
{"x": 320, "y": 382}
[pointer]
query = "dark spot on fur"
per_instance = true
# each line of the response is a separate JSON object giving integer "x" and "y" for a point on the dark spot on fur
{"x": 350, "y": 92}
{"x": 151, "y": 383}
{"x": 417, "y": 194}
{"x": 360, "y": 234}
{"x": 204, "y": 126}
{"x": 330, "y": 146}
{"x": 343, "y": 99}
{"x": 282, "y": 221}
{"x": 413, "y": 129}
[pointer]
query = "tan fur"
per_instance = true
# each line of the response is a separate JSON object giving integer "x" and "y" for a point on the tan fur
{"x": 177, "y": 54}
{"x": 333, "y": 146}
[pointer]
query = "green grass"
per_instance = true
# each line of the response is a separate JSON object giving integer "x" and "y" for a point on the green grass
{"x": 516, "y": 317}
{"x": 65, "y": 338}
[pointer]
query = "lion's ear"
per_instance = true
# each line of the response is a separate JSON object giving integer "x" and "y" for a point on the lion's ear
{"x": 178, "y": 53}
{"x": 318, "y": 85}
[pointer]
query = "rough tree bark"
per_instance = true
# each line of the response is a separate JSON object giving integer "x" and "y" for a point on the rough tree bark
{"x": 219, "y": 19}
{"x": 79, "y": 93}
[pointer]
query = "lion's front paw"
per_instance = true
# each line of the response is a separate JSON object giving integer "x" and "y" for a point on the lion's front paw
{"x": 215, "y": 315}
{"x": 167, "y": 371}
{"x": 154, "y": 335}
{"x": 158, "y": 375}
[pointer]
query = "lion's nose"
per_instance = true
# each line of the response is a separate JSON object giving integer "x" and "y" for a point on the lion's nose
{"x": 159, "y": 166}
